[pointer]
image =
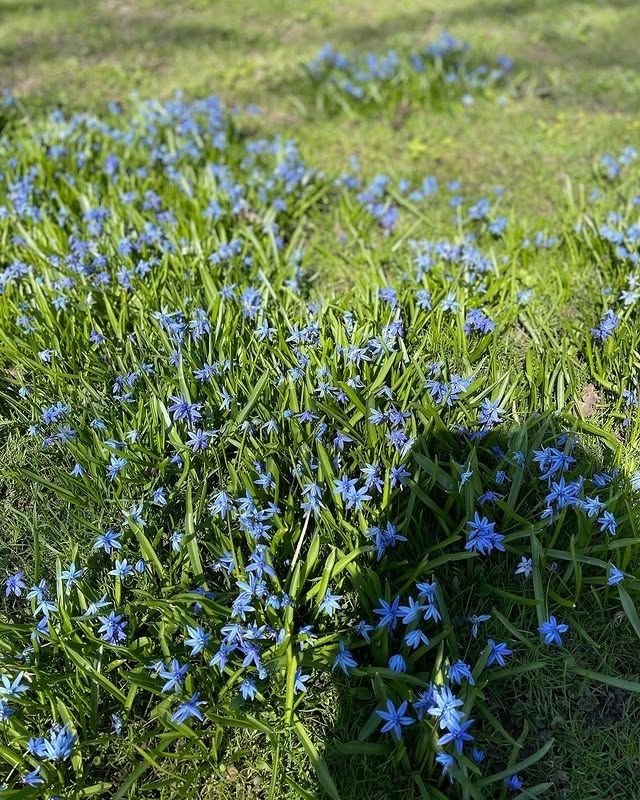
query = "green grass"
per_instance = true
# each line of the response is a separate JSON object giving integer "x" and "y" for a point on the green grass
{"x": 577, "y": 65}
{"x": 572, "y": 96}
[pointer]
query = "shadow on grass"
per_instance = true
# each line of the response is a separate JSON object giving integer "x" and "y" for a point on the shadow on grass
{"x": 572, "y": 694}
{"x": 100, "y": 33}
{"x": 146, "y": 35}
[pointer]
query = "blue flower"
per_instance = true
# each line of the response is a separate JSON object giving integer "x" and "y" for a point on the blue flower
{"x": 490, "y": 412}
{"x": 159, "y": 496}
{"x": 300, "y": 681}
{"x": 397, "y": 663}
{"x": 427, "y": 591}
{"x": 482, "y": 536}
{"x": 71, "y": 575}
{"x": 384, "y": 538}
{"x": 5, "y": 710}
{"x": 411, "y": 612}
{"x": 248, "y": 689}
{"x": 183, "y": 410}
{"x": 431, "y": 612}
{"x": 115, "y": 467}
{"x": 457, "y": 734}
{"x": 606, "y": 327}
{"x": 60, "y": 744}
{"x": 563, "y": 494}
{"x": 330, "y": 603}
{"x": 108, "y": 541}
{"x": 550, "y": 461}
{"x": 14, "y": 584}
{"x": 94, "y": 607}
{"x": 477, "y": 321}
{"x": 525, "y": 567}
{"x": 117, "y": 724}
{"x": 13, "y": 688}
{"x": 459, "y": 671}
{"x": 174, "y": 675}
{"x": 395, "y": 718}
{"x": 122, "y": 569}
{"x": 134, "y": 515}
{"x": 197, "y": 640}
{"x": 445, "y": 707}
{"x": 552, "y": 631}
{"x": 476, "y": 620}
{"x": 446, "y": 761}
{"x": 398, "y": 476}
{"x": 363, "y": 629}
{"x": 343, "y": 660}
{"x": 608, "y": 523}
{"x": 616, "y": 576}
{"x": 113, "y": 628}
{"x": 388, "y": 612}
{"x": 222, "y": 506}
{"x": 498, "y": 653}
{"x": 33, "y": 778}
{"x": 190, "y": 708}
{"x": 198, "y": 440}
{"x": 514, "y": 783}
{"x": 424, "y": 701}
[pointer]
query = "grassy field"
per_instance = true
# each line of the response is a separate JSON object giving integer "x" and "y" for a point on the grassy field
{"x": 576, "y": 68}
{"x": 117, "y": 226}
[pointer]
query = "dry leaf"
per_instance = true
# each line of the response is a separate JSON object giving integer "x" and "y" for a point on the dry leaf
{"x": 401, "y": 112}
{"x": 588, "y": 400}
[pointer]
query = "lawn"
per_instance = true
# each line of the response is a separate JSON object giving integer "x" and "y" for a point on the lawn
{"x": 318, "y": 398}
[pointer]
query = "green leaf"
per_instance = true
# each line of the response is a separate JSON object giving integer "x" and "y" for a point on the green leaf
{"x": 253, "y": 398}
{"x": 14, "y": 759}
{"x": 134, "y": 776}
{"x": 629, "y": 609}
{"x": 364, "y": 748}
{"x": 436, "y": 473}
{"x": 191, "y": 542}
{"x": 319, "y": 764}
{"x": 87, "y": 668}
{"x": 610, "y": 680}
{"x": 92, "y": 791}
{"x": 244, "y": 721}
{"x": 303, "y": 794}
{"x": 147, "y": 550}
{"x": 519, "y": 767}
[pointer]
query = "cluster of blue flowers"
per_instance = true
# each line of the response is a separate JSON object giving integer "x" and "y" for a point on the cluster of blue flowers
{"x": 271, "y": 504}
{"x": 444, "y": 67}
